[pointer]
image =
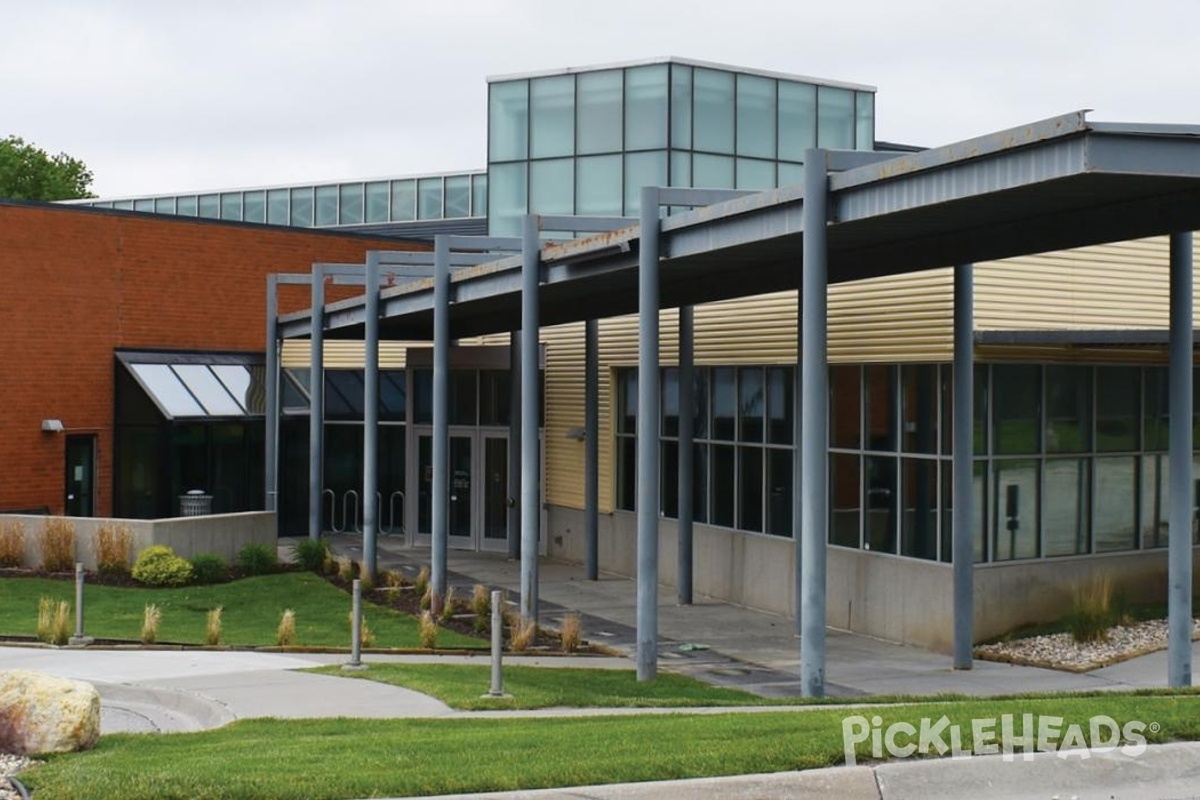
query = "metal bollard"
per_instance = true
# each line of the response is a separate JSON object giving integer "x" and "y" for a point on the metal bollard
{"x": 497, "y": 689}
{"x": 356, "y": 628}
{"x": 79, "y": 638}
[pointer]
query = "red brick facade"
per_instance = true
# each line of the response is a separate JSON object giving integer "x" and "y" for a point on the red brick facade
{"x": 80, "y": 283}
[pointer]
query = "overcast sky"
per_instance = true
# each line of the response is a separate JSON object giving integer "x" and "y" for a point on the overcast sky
{"x": 159, "y": 97}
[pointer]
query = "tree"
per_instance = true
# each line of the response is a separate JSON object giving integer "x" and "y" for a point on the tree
{"x": 28, "y": 172}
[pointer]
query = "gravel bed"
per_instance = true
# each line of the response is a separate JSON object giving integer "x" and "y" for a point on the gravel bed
{"x": 11, "y": 765}
{"x": 1061, "y": 651}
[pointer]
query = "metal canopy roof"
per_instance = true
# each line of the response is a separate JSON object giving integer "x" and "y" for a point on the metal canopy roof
{"x": 1055, "y": 184}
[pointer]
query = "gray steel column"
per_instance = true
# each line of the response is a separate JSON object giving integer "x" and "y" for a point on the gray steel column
{"x": 514, "y": 445}
{"x": 371, "y": 415}
{"x": 591, "y": 448}
{"x": 441, "y": 420}
{"x": 814, "y": 440}
{"x": 316, "y": 415}
{"x": 530, "y": 511}
{"x": 647, "y": 439}
{"x": 686, "y": 452}
{"x": 271, "y": 423}
{"x": 797, "y": 458}
{"x": 1179, "y": 571}
{"x": 963, "y": 514}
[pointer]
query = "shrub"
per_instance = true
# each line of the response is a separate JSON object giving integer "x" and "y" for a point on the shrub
{"x": 257, "y": 558}
{"x": 114, "y": 544}
{"x": 53, "y": 622}
{"x": 58, "y": 545}
{"x": 209, "y": 568}
{"x": 12, "y": 543}
{"x": 158, "y": 565}
{"x": 569, "y": 635}
{"x": 311, "y": 554}
{"x": 1091, "y": 613}
{"x": 285, "y": 634}
{"x": 151, "y": 617}
{"x": 427, "y": 630}
{"x": 212, "y": 626}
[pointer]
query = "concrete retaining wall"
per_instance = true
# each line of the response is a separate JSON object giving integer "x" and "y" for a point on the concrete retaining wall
{"x": 223, "y": 534}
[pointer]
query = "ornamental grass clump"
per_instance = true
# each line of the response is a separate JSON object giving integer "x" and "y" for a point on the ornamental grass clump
{"x": 421, "y": 585}
{"x": 448, "y": 606}
{"x": 151, "y": 618}
{"x": 311, "y": 554}
{"x": 569, "y": 635}
{"x": 1091, "y": 613}
{"x": 285, "y": 634}
{"x": 114, "y": 548}
{"x": 345, "y": 569}
{"x": 366, "y": 636}
{"x": 427, "y": 630}
{"x": 58, "y": 545}
{"x": 53, "y": 622}
{"x": 521, "y": 634}
{"x": 12, "y": 543}
{"x": 481, "y": 605}
{"x": 212, "y": 626}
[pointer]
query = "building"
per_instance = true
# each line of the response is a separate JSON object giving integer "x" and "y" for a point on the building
{"x": 1070, "y": 451}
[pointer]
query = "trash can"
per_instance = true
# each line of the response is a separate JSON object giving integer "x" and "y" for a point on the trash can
{"x": 195, "y": 503}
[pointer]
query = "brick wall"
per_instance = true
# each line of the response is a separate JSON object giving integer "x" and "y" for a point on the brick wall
{"x": 79, "y": 283}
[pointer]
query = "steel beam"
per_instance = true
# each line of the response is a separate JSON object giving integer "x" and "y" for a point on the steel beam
{"x": 441, "y": 422}
{"x": 371, "y": 418}
{"x": 591, "y": 449}
{"x": 316, "y": 391}
{"x": 1182, "y": 497}
{"x": 814, "y": 441}
{"x": 648, "y": 438}
{"x": 514, "y": 445}
{"x": 530, "y": 511}
{"x": 687, "y": 324}
{"x": 963, "y": 513}
{"x": 271, "y": 423}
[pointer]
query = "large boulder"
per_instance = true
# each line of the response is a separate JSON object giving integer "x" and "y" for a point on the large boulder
{"x": 40, "y": 713}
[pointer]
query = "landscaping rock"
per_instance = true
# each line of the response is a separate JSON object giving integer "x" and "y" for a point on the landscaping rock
{"x": 40, "y": 713}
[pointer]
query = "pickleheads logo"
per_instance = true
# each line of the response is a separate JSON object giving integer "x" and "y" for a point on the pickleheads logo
{"x": 1008, "y": 735}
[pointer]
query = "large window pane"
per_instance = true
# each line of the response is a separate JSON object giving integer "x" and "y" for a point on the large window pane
{"x": 750, "y": 488}
{"x": 508, "y": 120}
{"x": 670, "y": 402}
{"x": 979, "y": 511}
{"x": 700, "y": 483}
{"x": 797, "y": 119}
{"x": 642, "y": 169}
{"x": 845, "y": 404}
{"x": 1065, "y": 507}
{"x": 712, "y": 172}
{"x": 302, "y": 207}
{"x": 210, "y": 206}
{"x": 724, "y": 403}
{"x": 864, "y": 120}
{"x": 166, "y": 205}
{"x": 918, "y": 524}
{"x": 458, "y": 196}
{"x": 479, "y": 195}
{"x": 552, "y": 186}
{"x": 1117, "y": 409}
{"x": 881, "y": 503}
{"x": 507, "y": 198}
{"x": 463, "y": 396}
{"x": 646, "y": 107}
{"x": 755, "y": 174}
{"x": 724, "y": 481}
{"x": 669, "y": 485}
{"x": 598, "y": 109}
{"x": 327, "y": 205}
{"x": 779, "y": 492}
{"x": 845, "y": 499}
{"x": 880, "y": 395}
{"x": 1068, "y": 409}
{"x": 713, "y": 126}
{"x": 626, "y": 472}
{"x": 350, "y": 206}
{"x": 254, "y": 206}
{"x": 681, "y": 172}
{"x": 495, "y": 397}
{"x": 627, "y": 401}
{"x": 277, "y": 207}
{"x": 598, "y": 185}
{"x": 979, "y": 443}
{"x": 1155, "y": 505}
{"x": 920, "y": 407}
{"x": 404, "y": 200}
{"x": 1114, "y": 524}
{"x": 1157, "y": 413}
{"x": 702, "y": 406}
{"x": 377, "y": 201}
{"x": 681, "y": 107}
{"x": 1015, "y": 509}
{"x": 186, "y": 206}
{"x": 835, "y": 118}
{"x": 552, "y": 116}
{"x": 429, "y": 198}
{"x": 751, "y": 397}
{"x": 755, "y": 116}
{"x": 780, "y": 405}
{"x": 1017, "y": 392}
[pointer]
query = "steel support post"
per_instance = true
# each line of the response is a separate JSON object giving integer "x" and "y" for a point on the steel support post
{"x": 647, "y": 438}
{"x": 814, "y": 440}
{"x": 271, "y": 402}
{"x": 591, "y": 448}
{"x": 963, "y": 514}
{"x": 797, "y": 466}
{"x": 1182, "y": 498}
{"x": 441, "y": 421}
{"x": 316, "y": 391}
{"x": 687, "y": 403}
{"x": 530, "y": 512}
{"x": 371, "y": 417}
{"x": 514, "y": 445}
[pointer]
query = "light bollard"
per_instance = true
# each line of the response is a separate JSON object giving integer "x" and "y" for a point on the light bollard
{"x": 356, "y": 628}
{"x": 79, "y": 638}
{"x": 497, "y": 689}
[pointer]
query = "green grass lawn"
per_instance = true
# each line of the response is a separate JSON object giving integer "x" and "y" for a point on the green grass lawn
{"x": 460, "y": 686}
{"x": 252, "y": 607}
{"x": 343, "y": 758}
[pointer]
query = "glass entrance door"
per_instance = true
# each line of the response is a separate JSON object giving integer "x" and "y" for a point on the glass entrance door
{"x": 495, "y": 492}
{"x": 462, "y": 484}
{"x": 478, "y": 489}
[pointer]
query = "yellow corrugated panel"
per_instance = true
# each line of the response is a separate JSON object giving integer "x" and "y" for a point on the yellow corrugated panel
{"x": 341, "y": 354}
{"x": 903, "y": 318}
